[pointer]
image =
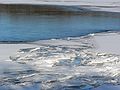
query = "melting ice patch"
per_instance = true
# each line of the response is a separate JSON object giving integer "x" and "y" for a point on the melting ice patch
{"x": 65, "y": 64}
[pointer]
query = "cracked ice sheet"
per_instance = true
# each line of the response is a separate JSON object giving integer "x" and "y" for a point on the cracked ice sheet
{"x": 8, "y": 68}
{"x": 72, "y": 63}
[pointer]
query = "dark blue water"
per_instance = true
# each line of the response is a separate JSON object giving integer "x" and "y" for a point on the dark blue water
{"x": 23, "y": 27}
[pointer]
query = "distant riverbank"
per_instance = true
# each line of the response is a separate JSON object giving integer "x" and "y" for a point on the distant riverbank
{"x": 62, "y": 7}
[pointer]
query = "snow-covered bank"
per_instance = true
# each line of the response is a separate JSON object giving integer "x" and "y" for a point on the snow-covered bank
{"x": 71, "y": 63}
{"x": 9, "y": 49}
{"x": 76, "y": 5}
{"x": 107, "y": 43}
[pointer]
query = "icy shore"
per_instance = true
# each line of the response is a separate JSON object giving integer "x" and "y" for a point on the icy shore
{"x": 70, "y": 5}
{"x": 79, "y": 63}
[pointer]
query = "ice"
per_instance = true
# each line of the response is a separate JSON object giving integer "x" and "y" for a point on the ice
{"x": 71, "y": 63}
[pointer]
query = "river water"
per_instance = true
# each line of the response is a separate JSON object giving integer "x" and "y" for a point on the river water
{"x": 32, "y": 27}
{"x": 63, "y": 74}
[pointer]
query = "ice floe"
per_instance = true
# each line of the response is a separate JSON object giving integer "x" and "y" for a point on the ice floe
{"x": 71, "y": 63}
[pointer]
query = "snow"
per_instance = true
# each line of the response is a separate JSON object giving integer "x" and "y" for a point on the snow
{"x": 108, "y": 43}
{"x": 9, "y": 49}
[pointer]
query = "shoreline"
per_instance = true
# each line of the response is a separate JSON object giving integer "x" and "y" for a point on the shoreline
{"x": 63, "y": 38}
{"x": 69, "y": 8}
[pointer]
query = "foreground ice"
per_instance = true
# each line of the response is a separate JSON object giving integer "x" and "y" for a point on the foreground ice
{"x": 78, "y": 63}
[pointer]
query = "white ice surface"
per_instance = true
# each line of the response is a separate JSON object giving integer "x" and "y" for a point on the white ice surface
{"x": 108, "y": 43}
{"x": 7, "y": 50}
{"x": 76, "y": 62}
